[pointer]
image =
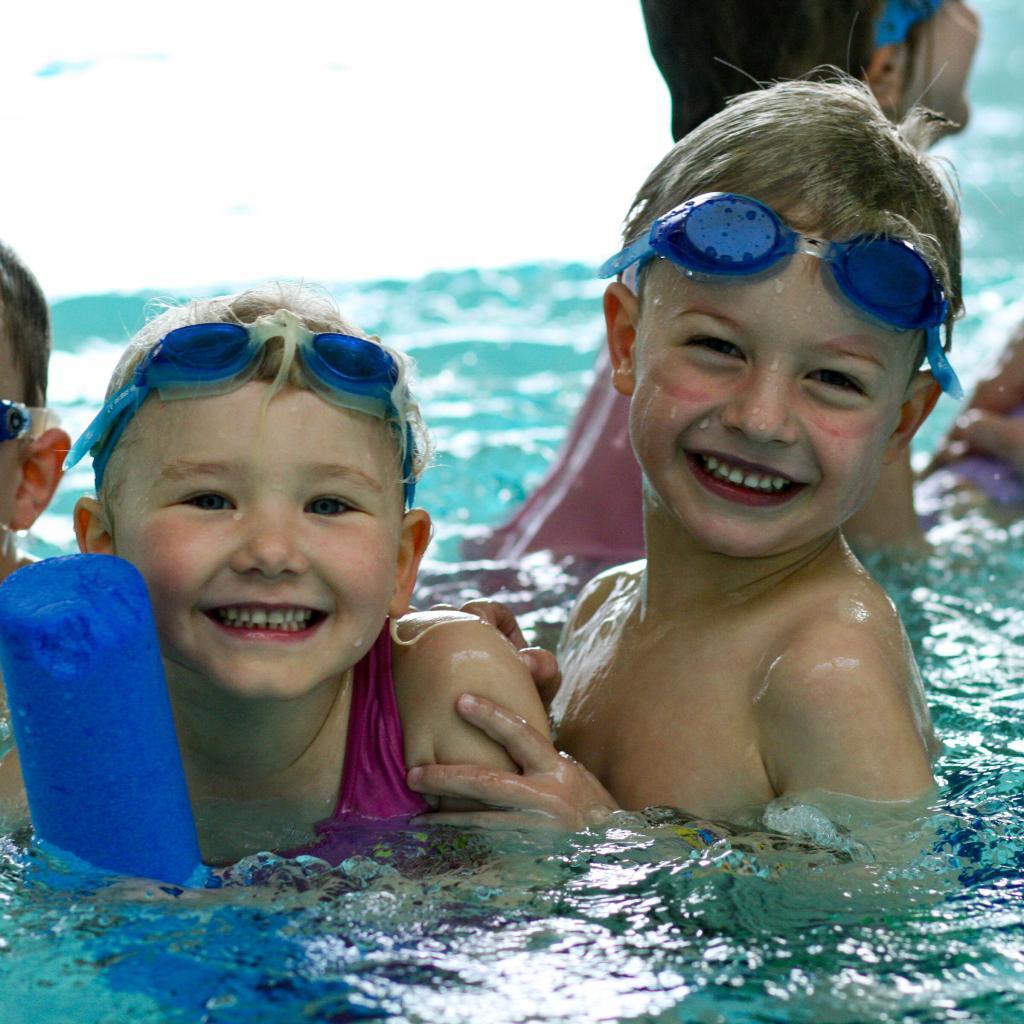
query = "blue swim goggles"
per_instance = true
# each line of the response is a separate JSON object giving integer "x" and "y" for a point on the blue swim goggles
{"x": 20, "y": 420}
{"x": 900, "y": 16}
{"x": 202, "y": 360}
{"x": 725, "y": 235}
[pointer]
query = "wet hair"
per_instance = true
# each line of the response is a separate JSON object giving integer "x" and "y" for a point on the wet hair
{"x": 707, "y": 52}
{"x": 316, "y": 310}
{"x": 24, "y": 326}
{"x": 825, "y": 157}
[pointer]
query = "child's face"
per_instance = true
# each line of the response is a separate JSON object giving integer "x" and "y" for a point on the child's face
{"x": 772, "y": 381}
{"x": 230, "y": 514}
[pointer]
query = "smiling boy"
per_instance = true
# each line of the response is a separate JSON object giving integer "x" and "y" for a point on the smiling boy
{"x": 768, "y": 387}
{"x": 789, "y": 266}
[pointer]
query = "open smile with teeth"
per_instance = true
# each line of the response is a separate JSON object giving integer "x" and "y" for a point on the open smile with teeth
{"x": 744, "y": 477}
{"x": 288, "y": 620}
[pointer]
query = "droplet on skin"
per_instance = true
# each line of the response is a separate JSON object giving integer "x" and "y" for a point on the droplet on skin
{"x": 774, "y": 368}
{"x": 704, "y": 424}
{"x": 238, "y": 516}
{"x": 851, "y": 610}
{"x": 779, "y": 287}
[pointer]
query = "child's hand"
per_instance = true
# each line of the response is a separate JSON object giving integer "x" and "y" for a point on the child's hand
{"x": 552, "y": 788}
{"x": 543, "y": 665}
{"x": 977, "y": 432}
{"x": 992, "y": 424}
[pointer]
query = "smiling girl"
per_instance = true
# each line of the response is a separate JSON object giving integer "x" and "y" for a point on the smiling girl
{"x": 256, "y": 460}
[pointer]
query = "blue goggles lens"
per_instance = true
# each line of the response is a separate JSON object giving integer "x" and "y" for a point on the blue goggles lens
{"x": 20, "y": 420}
{"x": 15, "y": 420}
{"x": 208, "y": 359}
{"x": 724, "y": 235}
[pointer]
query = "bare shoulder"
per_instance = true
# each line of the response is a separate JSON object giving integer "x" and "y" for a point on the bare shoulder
{"x": 439, "y": 655}
{"x": 613, "y": 585}
{"x": 841, "y": 705}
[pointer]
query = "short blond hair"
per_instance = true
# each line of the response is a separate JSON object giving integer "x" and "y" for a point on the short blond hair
{"x": 824, "y": 155}
{"x": 317, "y": 311}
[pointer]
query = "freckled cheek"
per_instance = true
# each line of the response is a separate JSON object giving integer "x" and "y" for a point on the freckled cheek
{"x": 843, "y": 427}
{"x": 689, "y": 387}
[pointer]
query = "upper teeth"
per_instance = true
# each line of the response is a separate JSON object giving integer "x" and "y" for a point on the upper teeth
{"x": 735, "y": 475}
{"x": 288, "y": 619}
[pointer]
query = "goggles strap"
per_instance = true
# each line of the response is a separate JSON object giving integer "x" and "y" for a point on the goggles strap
{"x": 111, "y": 420}
{"x": 627, "y": 257}
{"x": 942, "y": 369}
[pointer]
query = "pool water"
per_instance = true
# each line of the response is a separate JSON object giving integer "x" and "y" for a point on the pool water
{"x": 858, "y": 918}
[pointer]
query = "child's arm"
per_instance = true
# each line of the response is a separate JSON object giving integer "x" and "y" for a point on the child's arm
{"x": 549, "y": 788}
{"x": 13, "y": 801}
{"x": 843, "y": 710}
{"x": 452, "y": 654}
{"x": 542, "y": 664}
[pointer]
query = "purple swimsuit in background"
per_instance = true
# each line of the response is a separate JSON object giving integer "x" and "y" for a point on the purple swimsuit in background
{"x": 998, "y": 480}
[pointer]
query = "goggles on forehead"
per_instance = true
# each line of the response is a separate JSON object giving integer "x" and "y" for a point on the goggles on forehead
{"x": 20, "y": 420}
{"x": 898, "y": 17}
{"x": 720, "y": 234}
{"x": 202, "y": 360}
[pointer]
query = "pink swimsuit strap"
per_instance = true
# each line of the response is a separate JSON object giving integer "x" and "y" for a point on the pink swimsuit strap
{"x": 373, "y": 778}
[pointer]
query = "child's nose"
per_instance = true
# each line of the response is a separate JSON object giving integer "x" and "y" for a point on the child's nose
{"x": 761, "y": 408}
{"x": 268, "y": 545}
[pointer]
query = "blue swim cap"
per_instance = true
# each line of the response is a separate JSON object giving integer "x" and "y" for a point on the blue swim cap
{"x": 900, "y": 16}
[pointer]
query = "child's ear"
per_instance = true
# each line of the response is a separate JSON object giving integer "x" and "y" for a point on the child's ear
{"x": 92, "y": 528}
{"x": 41, "y": 469}
{"x": 415, "y": 538}
{"x": 621, "y": 317}
{"x": 921, "y": 397}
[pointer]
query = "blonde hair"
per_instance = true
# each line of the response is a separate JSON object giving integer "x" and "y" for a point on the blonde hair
{"x": 824, "y": 155}
{"x": 317, "y": 311}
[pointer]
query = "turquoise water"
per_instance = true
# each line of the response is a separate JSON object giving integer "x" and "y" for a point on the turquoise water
{"x": 865, "y": 923}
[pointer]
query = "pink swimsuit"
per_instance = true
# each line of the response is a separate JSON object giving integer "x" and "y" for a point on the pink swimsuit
{"x": 373, "y": 776}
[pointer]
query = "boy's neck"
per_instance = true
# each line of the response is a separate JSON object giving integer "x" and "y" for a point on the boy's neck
{"x": 680, "y": 574}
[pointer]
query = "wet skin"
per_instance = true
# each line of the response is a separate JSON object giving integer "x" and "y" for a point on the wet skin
{"x": 775, "y": 378}
{"x": 272, "y": 538}
{"x": 233, "y": 512}
{"x": 751, "y": 655}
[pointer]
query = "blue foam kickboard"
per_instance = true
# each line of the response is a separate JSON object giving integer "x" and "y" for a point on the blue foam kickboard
{"x": 92, "y": 718}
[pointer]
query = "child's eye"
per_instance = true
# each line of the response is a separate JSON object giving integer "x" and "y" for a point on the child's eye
{"x": 327, "y": 506}
{"x": 209, "y": 502}
{"x": 835, "y": 379}
{"x": 726, "y": 348}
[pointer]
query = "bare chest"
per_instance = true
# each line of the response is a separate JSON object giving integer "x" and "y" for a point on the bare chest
{"x": 669, "y": 721}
